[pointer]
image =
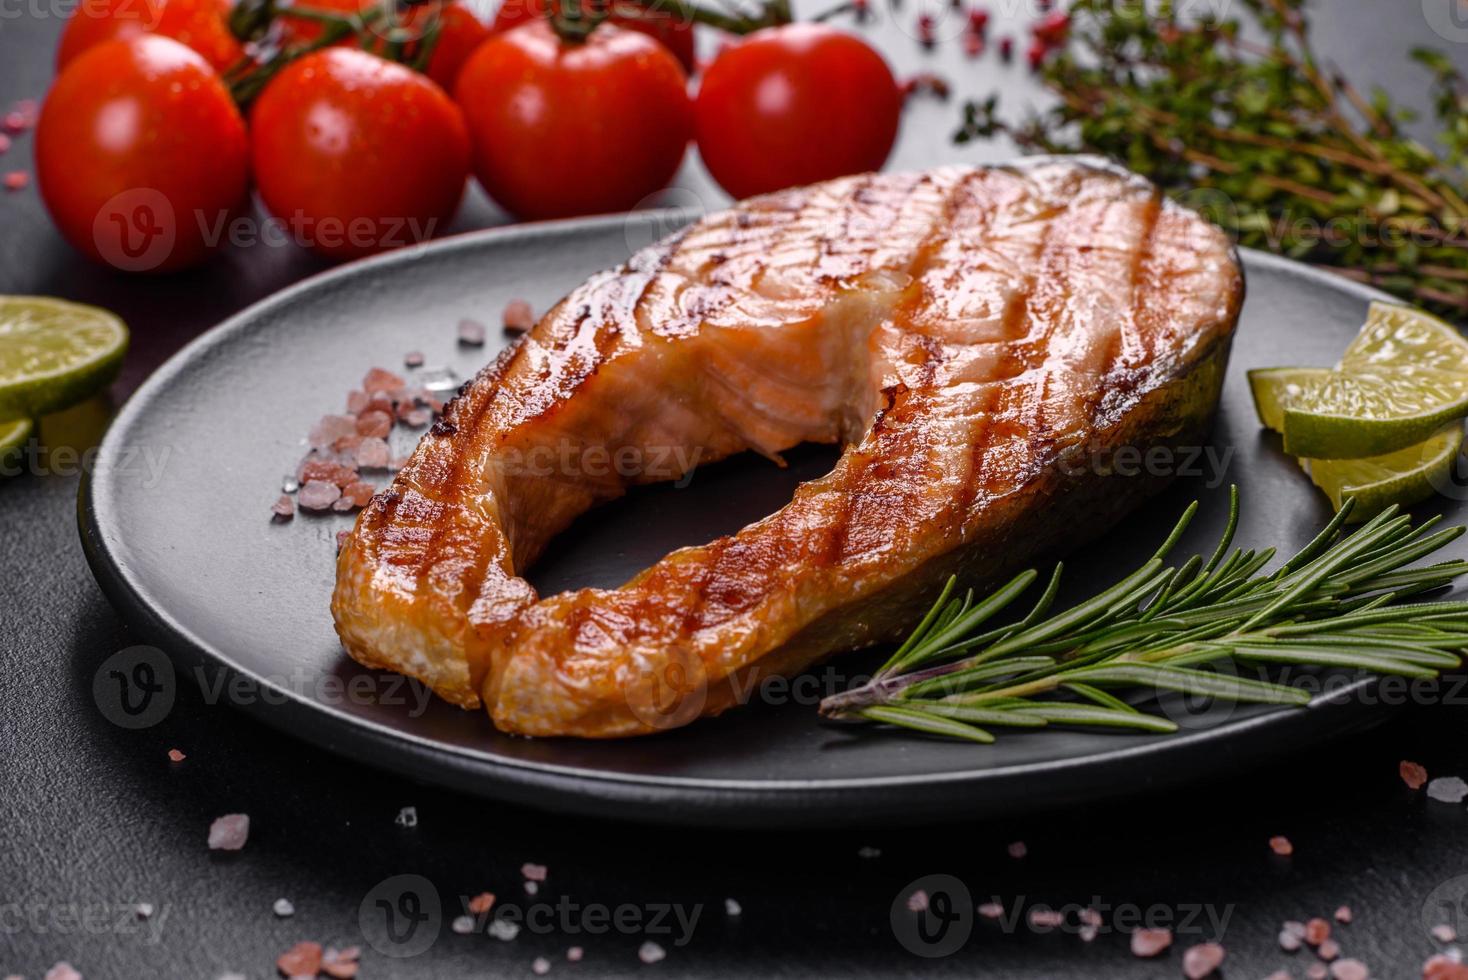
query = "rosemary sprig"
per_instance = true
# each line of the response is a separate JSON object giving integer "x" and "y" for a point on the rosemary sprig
{"x": 1242, "y": 120}
{"x": 1337, "y": 603}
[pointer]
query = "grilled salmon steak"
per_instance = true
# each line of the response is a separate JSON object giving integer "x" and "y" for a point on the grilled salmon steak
{"x": 979, "y": 340}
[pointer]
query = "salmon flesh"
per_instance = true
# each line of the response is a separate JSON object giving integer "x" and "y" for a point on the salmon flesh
{"x": 980, "y": 340}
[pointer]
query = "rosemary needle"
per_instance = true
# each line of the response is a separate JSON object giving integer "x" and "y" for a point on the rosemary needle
{"x": 1337, "y": 603}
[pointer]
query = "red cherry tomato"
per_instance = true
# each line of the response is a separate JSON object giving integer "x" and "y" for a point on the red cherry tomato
{"x": 563, "y": 128}
{"x": 460, "y": 31}
{"x": 199, "y": 24}
{"x": 793, "y": 105}
{"x": 305, "y": 30}
{"x": 356, "y": 154}
{"x": 141, "y": 155}
{"x": 675, "y": 33}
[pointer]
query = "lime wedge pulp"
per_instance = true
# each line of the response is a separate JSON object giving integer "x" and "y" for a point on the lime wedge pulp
{"x": 1403, "y": 477}
{"x": 1401, "y": 380}
{"x": 54, "y": 354}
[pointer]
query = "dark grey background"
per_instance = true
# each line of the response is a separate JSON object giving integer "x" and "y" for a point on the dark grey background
{"x": 94, "y": 815}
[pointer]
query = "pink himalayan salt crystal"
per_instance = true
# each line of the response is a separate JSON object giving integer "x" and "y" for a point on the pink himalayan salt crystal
{"x": 1281, "y": 846}
{"x": 518, "y": 316}
{"x": 283, "y": 509}
{"x": 1317, "y": 931}
{"x": 301, "y": 960}
{"x": 1329, "y": 950}
{"x": 1412, "y": 774}
{"x": 1343, "y": 914}
{"x": 331, "y": 428}
{"x": 417, "y": 418}
{"x": 650, "y": 952}
{"x": 1018, "y": 850}
{"x": 1317, "y": 971}
{"x": 318, "y": 495}
{"x": 1088, "y": 933}
{"x": 1440, "y": 967}
{"x": 341, "y": 539}
{"x": 532, "y": 872}
{"x": 1046, "y": 918}
{"x": 1444, "y": 933}
{"x": 1279, "y": 975}
{"x": 471, "y": 333}
{"x": 374, "y": 422}
{"x": 343, "y": 504}
{"x": 1447, "y": 789}
{"x": 540, "y": 966}
{"x": 63, "y": 971}
{"x": 16, "y": 180}
{"x": 229, "y": 832}
{"x": 373, "y": 454}
{"x": 917, "y": 901}
{"x": 341, "y": 964}
{"x": 359, "y": 493}
{"x": 174, "y": 755}
{"x": 991, "y": 910}
{"x": 379, "y": 380}
{"x": 4, "y": 143}
{"x": 356, "y": 401}
{"x": 575, "y": 953}
{"x": 1349, "y": 970}
{"x": 1201, "y": 960}
{"x": 1150, "y": 942}
{"x": 1289, "y": 942}
{"x": 481, "y": 903}
{"x": 413, "y": 359}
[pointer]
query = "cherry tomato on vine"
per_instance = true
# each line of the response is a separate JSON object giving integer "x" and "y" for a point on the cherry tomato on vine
{"x": 793, "y": 105}
{"x": 563, "y": 127}
{"x": 198, "y": 24}
{"x": 460, "y": 31}
{"x": 298, "y": 30}
{"x": 356, "y": 154}
{"x": 141, "y": 155}
{"x": 663, "y": 26}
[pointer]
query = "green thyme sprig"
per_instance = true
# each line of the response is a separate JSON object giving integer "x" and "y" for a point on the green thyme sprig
{"x": 1246, "y": 123}
{"x": 1337, "y": 603}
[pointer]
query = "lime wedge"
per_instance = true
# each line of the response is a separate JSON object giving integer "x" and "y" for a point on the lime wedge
{"x": 13, "y": 435}
{"x": 54, "y": 354}
{"x": 1403, "y": 477}
{"x": 1274, "y": 388}
{"x": 1402, "y": 379}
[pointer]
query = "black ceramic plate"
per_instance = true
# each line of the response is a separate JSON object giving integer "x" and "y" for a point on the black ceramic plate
{"x": 176, "y": 524}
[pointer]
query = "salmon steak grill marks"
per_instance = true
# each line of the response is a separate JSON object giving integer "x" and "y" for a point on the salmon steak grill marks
{"x": 975, "y": 338}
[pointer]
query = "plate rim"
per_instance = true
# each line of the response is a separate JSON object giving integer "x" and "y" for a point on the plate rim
{"x": 645, "y": 797}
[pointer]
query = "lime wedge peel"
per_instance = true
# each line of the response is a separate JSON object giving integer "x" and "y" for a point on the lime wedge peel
{"x": 1400, "y": 381}
{"x": 54, "y": 354}
{"x": 13, "y": 435}
{"x": 1404, "y": 477}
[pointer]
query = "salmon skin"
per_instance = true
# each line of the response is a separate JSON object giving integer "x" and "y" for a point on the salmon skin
{"x": 978, "y": 339}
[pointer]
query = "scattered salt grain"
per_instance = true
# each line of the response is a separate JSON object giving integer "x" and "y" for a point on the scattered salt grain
{"x": 330, "y": 428}
{"x": 1150, "y": 942}
{"x": 373, "y": 454}
{"x": 1317, "y": 931}
{"x": 518, "y": 317}
{"x": 917, "y": 901}
{"x": 439, "y": 379}
{"x": 503, "y": 930}
{"x": 1447, "y": 789}
{"x": 174, "y": 755}
{"x": 471, "y": 333}
{"x": 991, "y": 910}
{"x": 283, "y": 908}
{"x": 540, "y": 966}
{"x": 317, "y": 495}
{"x": 1289, "y": 941}
{"x": 532, "y": 872}
{"x": 301, "y": 960}
{"x": 1281, "y": 846}
{"x": 1201, "y": 960}
{"x": 1443, "y": 967}
{"x": 1349, "y": 970}
{"x": 341, "y": 539}
{"x": 417, "y": 418}
{"x": 1329, "y": 950}
{"x": 143, "y": 910}
{"x": 1316, "y": 971}
{"x": 532, "y": 887}
{"x": 407, "y": 817}
{"x": 374, "y": 422}
{"x": 413, "y": 359}
{"x": 63, "y": 971}
{"x": 575, "y": 953}
{"x": 4, "y": 143}
{"x": 229, "y": 832}
{"x": 481, "y": 903}
{"x": 1043, "y": 918}
{"x": 356, "y": 401}
{"x": 1088, "y": 933}
{"x": 1443, "y": 933}
{"x": 463, "y": 925}
{"x": 289, "y": 484}
{"x": 1018, "y": 850}
{"x": 1089, "y": 916}
{"x": 650, "y": 952}
{"x": 868, "y": 852}
{"x": 17, "y": 180}
{"x": 1412, "y": 774}
{"x": 1343, "y": 914}
{"x": 1279, "y": 975}
{"x": 359, "y": 493}
{"x": 379, "y": 380}
{"x": 732, "y": 908}
{"x": 283, "y": 509}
